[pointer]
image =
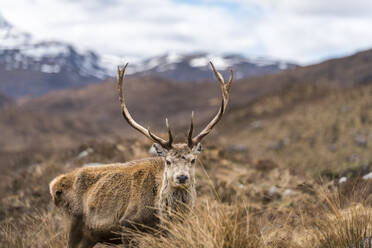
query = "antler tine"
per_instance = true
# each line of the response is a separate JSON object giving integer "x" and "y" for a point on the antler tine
{"x": 170, "y": 136}
{"x": 217, "y": 74}
{"x": 225, "y": 89}
{"x": 228, "y": 86}
{"x": 189, "y": 140}
{"x": 210, "y": 125}
{"x": 127, "y": 116}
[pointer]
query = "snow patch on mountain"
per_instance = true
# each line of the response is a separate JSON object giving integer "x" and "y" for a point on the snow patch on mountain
{"x": 199, "y": 62}
{"x": 18, "y": 50}
{"x": 219, "y": 62}
{"x": 50, "y": 68}
{"x": 45, "y": 50}
{"x": 173, "y": 57}
{"x": 197, "y": 65}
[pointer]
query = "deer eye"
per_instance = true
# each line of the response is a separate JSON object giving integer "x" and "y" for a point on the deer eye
{"x": 193, "y": 161}
{"x": 168, "y": 162}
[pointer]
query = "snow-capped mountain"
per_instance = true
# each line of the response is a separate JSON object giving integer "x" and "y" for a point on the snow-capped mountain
{"x": 195, "y": 67}
{"x": 32, "y": 68}
{"x": 29, "y": 67}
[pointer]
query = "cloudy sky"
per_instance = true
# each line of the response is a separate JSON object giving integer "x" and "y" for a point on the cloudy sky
{"x": 305, "y": 31}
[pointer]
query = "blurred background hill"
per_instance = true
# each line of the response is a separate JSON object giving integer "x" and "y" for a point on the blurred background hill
{"x": 80, "y": 114}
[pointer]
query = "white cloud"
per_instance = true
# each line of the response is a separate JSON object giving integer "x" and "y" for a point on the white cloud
{"x": 308, "y": 31}
{"x": 340, "y": 8}
{"x": 356, "y": 8}
{"x": 311, "y": 39}
{"x": 142, "y": 27}
{"x": 299, "y": 30}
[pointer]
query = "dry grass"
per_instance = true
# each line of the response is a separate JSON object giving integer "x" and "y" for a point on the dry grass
{"x": 209, "y": 225}
{"x": 349, "y": 227}
{"x": 344, "y": 221}
{"x": 337, "y": 216}
{"x": 39, "y": 230}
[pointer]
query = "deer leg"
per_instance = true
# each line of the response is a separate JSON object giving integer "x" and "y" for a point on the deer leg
{"x": 87, "y": 243}
{"x": 75, "y": 234}
{"x": 129, "y": 217}
{"x": 139, "y": 219}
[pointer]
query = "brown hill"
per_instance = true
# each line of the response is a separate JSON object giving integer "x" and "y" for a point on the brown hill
{"x": 4, "y": 100}
{"x": 63, "y": 118}
{"x": 70, "y": 117}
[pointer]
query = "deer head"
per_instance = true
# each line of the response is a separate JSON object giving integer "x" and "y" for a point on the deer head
{"x": 179, "y": 158}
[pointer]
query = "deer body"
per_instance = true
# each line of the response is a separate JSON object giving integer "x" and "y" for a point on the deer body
{"x": 101, "y": 202}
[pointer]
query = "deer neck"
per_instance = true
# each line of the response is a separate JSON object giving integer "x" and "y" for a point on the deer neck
{"x": 175, "y": 199}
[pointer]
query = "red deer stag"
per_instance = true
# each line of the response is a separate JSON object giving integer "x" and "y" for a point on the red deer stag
{"x": 102, "y": 201}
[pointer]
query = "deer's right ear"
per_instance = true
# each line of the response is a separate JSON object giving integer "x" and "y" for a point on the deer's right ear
{"x": 158, "y": 150}
{"x": 197, "y": 149}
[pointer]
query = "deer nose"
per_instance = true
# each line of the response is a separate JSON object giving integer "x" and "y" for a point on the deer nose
{"x": 182, "y": 179}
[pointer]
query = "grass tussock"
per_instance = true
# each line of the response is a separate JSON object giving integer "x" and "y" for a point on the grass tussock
{"x": 351, "y": 227}
{"x": 346, "y": 220}
{"x": 39, "y": 230}
{"x": 209, "y": 225}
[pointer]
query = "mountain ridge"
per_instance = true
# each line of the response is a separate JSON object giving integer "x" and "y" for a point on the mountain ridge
{"x": 194, "y": 67}
{"x": 33, "y": 68}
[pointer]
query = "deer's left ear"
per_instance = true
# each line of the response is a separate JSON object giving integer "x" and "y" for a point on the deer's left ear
{"x": 158, "y": 150}
{"x": 197, "y": 149}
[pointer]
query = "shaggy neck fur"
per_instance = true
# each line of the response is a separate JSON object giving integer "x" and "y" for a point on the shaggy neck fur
{"x": 175, "y": 199}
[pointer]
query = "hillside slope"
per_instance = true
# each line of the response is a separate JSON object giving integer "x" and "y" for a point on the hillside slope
{"x": 73, "y": 116}
{"x": 342, "y": 72}
{"x": 4, "y": 100}
{"x": 309, "y": 129}
{"x": 93, "y": 112}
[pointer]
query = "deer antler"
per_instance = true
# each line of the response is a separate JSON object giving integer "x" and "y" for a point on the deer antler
{"x": 127, "y": 116}
{"x": 225, "y": 88}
